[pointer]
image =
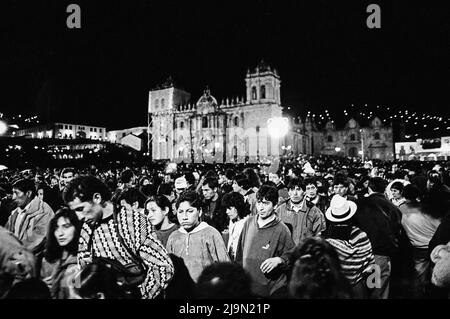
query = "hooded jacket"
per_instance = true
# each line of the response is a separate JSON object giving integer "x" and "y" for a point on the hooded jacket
{"x": 198, "y": 248}
{"x": 258, "y": 244}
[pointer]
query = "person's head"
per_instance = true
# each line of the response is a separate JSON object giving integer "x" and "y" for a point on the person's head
{"x": 97, "y": 280}
{"x": 190, "y": 179}
{"x": 209, "y": 188}
{"x": 63, "y": 233}
{"x": 87, "y": 195}
{"x": 240, "y": 183}
{"x": 340, "y": 185}
{"x": 440, "y": 256}
{"x": 67, "y": 175}
{"x": 127, "y": 177}
{"x": 235, "y": 205}
{"x": 180, "y": 185}
{"x": 131, "y": 199}
{"x": 24, "y": 191}
{"x": 396, "y": 190}
{"x": 145, "y": 180}
{"x": 311, "y": 187}
{"x": 158, "y": 208}
{"x": 43, "y": 190}
{"x": 224, "y": 280}
{"x": 229, "y": 175}
{"x": 317, "y": 272}
{"x": 166, "y": 189}
{"x": 253, "y": 178}
{"x": 377, "y": 185}
{"x": 189, "y": 210}
{"x": 296, "y": 190}
{"x": 434, "y": 178}
{"x": 275, "y": 177}
{"x": 411, "y": 192}
{"x": 267, "y": 199}
{"x": 32, "y": 288}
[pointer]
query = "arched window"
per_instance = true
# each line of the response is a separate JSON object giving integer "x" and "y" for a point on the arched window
{"x": 204, "y": 122}
{"x": 181, "y": 125}
{"x": 254, "y": 93}
{"x": 163, "y": 102}
{"x": 236, "y": 121}
{"x": 352, "y": 137}
{"x": 330, "y": 138}
{"x": 376, "y": 136}
{"x": 156, "y": 104}
{"x": 263, "y": 92}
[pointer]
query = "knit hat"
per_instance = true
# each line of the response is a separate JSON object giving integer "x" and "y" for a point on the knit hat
{"x": 340, "y": 209}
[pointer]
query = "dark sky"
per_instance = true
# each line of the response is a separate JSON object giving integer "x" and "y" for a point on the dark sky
{"x": 326, "y": 56}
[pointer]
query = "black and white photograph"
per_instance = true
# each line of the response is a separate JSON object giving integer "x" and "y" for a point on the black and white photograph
{"x": 254, "y": 151}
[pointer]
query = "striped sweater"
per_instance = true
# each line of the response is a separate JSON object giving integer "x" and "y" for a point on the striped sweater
{"x": 138, "y": 235}
{"x": 355, "y": 255}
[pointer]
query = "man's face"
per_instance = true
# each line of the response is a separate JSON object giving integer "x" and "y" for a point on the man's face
{"x": 66, "y": 178}
{"x": 264, "y": 208}
{"x": 90, "y": 211}
{"x": 296, "y": 194}
{"x": 311, "y": 190}
{"x": 208, "y": 192}
{"x": 274, "y": 178}
{"x": 340, "y": 189}
{"x": 20, "y": 198}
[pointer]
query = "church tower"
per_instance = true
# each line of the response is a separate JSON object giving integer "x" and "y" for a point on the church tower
{"x": 263, "y": 85}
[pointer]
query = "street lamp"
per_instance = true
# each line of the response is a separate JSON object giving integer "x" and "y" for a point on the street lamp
{"x": 3, "y": 127}
{"x": 278, "y": 127}
{"x": 337, "y": 149}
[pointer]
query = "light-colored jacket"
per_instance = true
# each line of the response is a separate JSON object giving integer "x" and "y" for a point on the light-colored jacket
{"x": 199, "y": 248}
{"x": 34, "y": 225}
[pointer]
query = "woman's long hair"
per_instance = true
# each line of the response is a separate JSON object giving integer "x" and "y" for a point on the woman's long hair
{"x": 53, "y": 251}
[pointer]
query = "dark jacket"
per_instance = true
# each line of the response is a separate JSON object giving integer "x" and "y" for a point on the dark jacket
{"x": 442, "y": 234}
{"x": 214, "y": 214}
{"x": 258, "y": 244}
{"x": 380, "y": 220}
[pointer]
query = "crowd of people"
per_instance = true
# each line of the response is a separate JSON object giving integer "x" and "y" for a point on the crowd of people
{"x": 308, "y": 228}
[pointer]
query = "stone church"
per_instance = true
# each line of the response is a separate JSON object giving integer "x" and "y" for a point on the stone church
{"x": 236, "y": 130}
{"x": 230, "y": 131}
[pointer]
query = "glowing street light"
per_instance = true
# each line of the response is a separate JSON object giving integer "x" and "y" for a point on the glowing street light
{"x": 278, "y": 126}
{"x": 3, "y": 127}
{"x": 337, "y": 149}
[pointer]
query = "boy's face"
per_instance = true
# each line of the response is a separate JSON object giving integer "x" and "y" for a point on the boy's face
{"x": 296, "y": 194}
{"x": 264, "y": 208}
{"x": 188, "y": 216}
{"x": 311, "y": 190}
{"x": 340, "y": 189}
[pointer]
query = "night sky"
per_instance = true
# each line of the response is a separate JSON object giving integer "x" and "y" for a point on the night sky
{"x": 326, "y": 56}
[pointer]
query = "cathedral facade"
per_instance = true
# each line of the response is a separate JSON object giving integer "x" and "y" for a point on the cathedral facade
{"x": 209, "y": 131}
{"x": 236, "y": 131}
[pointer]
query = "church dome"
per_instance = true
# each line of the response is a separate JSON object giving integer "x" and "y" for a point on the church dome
{"x": 207, "y": 98}
{"x": 207, "y": 103}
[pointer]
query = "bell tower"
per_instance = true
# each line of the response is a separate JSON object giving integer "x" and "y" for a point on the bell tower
{"x": 263, "y": 85}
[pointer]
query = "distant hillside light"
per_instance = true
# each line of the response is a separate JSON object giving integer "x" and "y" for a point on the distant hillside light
{"x": 3, "y": 127}
{"x": 278, "y": 126}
